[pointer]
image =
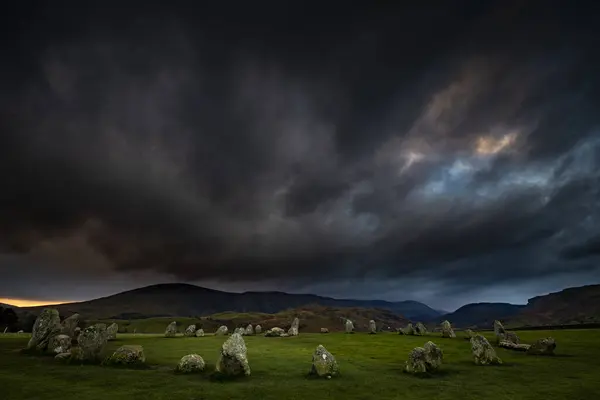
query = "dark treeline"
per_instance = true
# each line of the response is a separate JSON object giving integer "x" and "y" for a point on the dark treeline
{"x": 13, "y": 322}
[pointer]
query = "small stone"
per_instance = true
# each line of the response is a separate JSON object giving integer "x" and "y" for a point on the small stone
{"x": 483, "y": 352}
{"x": 513, "y": 346}
{"x": 249, "y": 330}
{"x": 222, "y": 331}
{"x": 324, "y": 364}
{"x": 433, "y": 356}
{"x": 190, "y": 364}
{"x": 258, "y": 329}
{"x": 171, "y": 330}
{"x": 127, "y": 355}
{"x": 424, "y": 359}
{"x": 190, "y": 331}
{"x": 420, "y": 329}
{"x": 59, "y": 344}
{"x": 275, "y": 332}
{"x": 409, "y": 330}
{"x": 469, "y": 334}
{"x": 447, "y": 330}
{"x": 543, "y": 347}
{"x": 324, "y": 330}
{"x": 200, "y": 332}
{"x": 233, "y": 360}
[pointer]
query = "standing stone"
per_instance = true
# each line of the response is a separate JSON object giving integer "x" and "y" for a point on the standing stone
{"x": 190, "y": 331}
{"x": 372, "y": 327}
{"x": 409, "y": 330}
{"x": 511, "y": 337}
{"x": 233, "y": 360}
{"x": 483, "y": 352}
{"x": 349, "y": 326}
{"x": 249, "y": 330}
{"x": 92, "y": 342}
{"x": 324, "y": 330}
{"x": 293, "y": 331}
{"x": 433, "y": 356}
{"x": 543, "y": 347}
{"x": 112, "y": 330}
{"x": 171, "y": 330}
{"x": 417, "y": 361}
{"x": 200, "y": 332}
{"x": 127, "y": 355}
{"x": 275, "y": 332}
{"x": 498, "y": 328}
{"x": 59, "y": 344}
{"x": 447, "y": 330}
{"x": 46, "y": 326}
{"x": 190, "y": 364}
{"x": 69, "y": 325}
{"x": 514, "y": 346}
{"x": 240, "y": 331}
{"x": 420, "y": 329}
{"x": 258, "y": 329}
{"x": 76, "y": 332}
{"x": 221, "y": 331}
{"x": 469, "y": 334}
{"x": 323, "y": 363}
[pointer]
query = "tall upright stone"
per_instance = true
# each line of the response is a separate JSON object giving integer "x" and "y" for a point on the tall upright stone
{"x": 46, "y": 326}
{"x": 372, "y": 327}
{"x": 483, "y": 352}
{"x": 249, "y": 330}
{"x": 190, "y": 331}
{"x": 233, "y": 360}
{"x": 447, "y": 330}
{"x": 293, "y": 331}
{"x": 69, "y": 325}
{"x": 92, "y": 341}
{"x": 349, "y": 326}
{"x": 258, "y": 329}
{"x": 324, "y": 364}
{"x": 112, "y": 330}
{"x": 171, "y": 330}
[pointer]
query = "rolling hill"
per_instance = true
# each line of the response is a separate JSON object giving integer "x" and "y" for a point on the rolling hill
{"x": 312, "y": 319}
{"x": 184, "y": 300}
{"x": 480, "y": 315}
{"x": 578, "y": 305}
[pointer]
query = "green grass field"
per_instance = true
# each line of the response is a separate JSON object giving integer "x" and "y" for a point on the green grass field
{"x": 370, "y": 367}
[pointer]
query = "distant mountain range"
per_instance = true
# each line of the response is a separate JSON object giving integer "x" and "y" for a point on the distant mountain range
{"x": 570, "y": 306}
{"x": 176, "y": 299}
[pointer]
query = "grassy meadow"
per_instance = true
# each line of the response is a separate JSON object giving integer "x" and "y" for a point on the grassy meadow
{"x": 370, "y": 368}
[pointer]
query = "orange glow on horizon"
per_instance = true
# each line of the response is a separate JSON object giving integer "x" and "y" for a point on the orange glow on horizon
{"x": 31, "y": 303}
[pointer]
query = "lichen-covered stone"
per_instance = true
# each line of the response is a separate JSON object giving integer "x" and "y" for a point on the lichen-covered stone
{"x": 59, "y": 344}
{"x": 112, "y": 330}
{"x": 483, "y": 352}
{"x": 417, "y": 361}
{"x": 372, "y": 327}
{"x": 434, "y": 356}
{"x": 420, "y": 329}
{"x": 92, "y": 342}
{"x": 222, "y": 331}
{"x": 498, "y": 328}
{"x": 349, "y": 326}
{"x": 127, "y": 355}
{"x": 69, "y": 325}
{"x": 324, "y": 330}
{"x": 233, "y": 360}
{"x": 46, "y": 326}
{"x": 275, "y": 332}
{"x": 447, "y": 330}
{"x": 200, "y": 332}
{"x": 249, "y": 330}
{"x": 190, "y": 331}
{"x": 258, "y": 329}
{"x": 171, "y": 330}
{"x": 409, "y": 330}
{"x": 513, "y": 346}
{"x": 424, "y": 359}
{"x": 294, "y": 329}
{"x": 543, "y": 347}
{"x": 190, "y": 364}
{"x": 324, "y": 364}
{"x": 511, "y": 337}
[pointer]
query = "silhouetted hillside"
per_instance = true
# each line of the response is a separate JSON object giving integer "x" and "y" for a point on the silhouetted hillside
{"x": 578, "y": 305}
{"x": 188, "y": 300}
{"x": 480, "y": 315}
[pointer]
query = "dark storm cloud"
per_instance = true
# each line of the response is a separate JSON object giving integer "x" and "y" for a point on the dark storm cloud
{"x": 235, "y": 151}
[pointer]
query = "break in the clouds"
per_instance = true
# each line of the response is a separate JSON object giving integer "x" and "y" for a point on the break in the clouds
{"x": 425, "y": 153}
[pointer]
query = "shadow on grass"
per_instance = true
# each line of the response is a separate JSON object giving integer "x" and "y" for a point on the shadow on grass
{"x": 440, "y": 373}
{"x": 503, "y": 365}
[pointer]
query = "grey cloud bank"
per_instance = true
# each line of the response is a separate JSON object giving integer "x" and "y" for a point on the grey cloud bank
{"x": 351, "y": 163}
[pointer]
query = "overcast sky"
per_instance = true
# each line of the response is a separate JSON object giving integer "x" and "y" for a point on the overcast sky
{"x": 442, "y": 154}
